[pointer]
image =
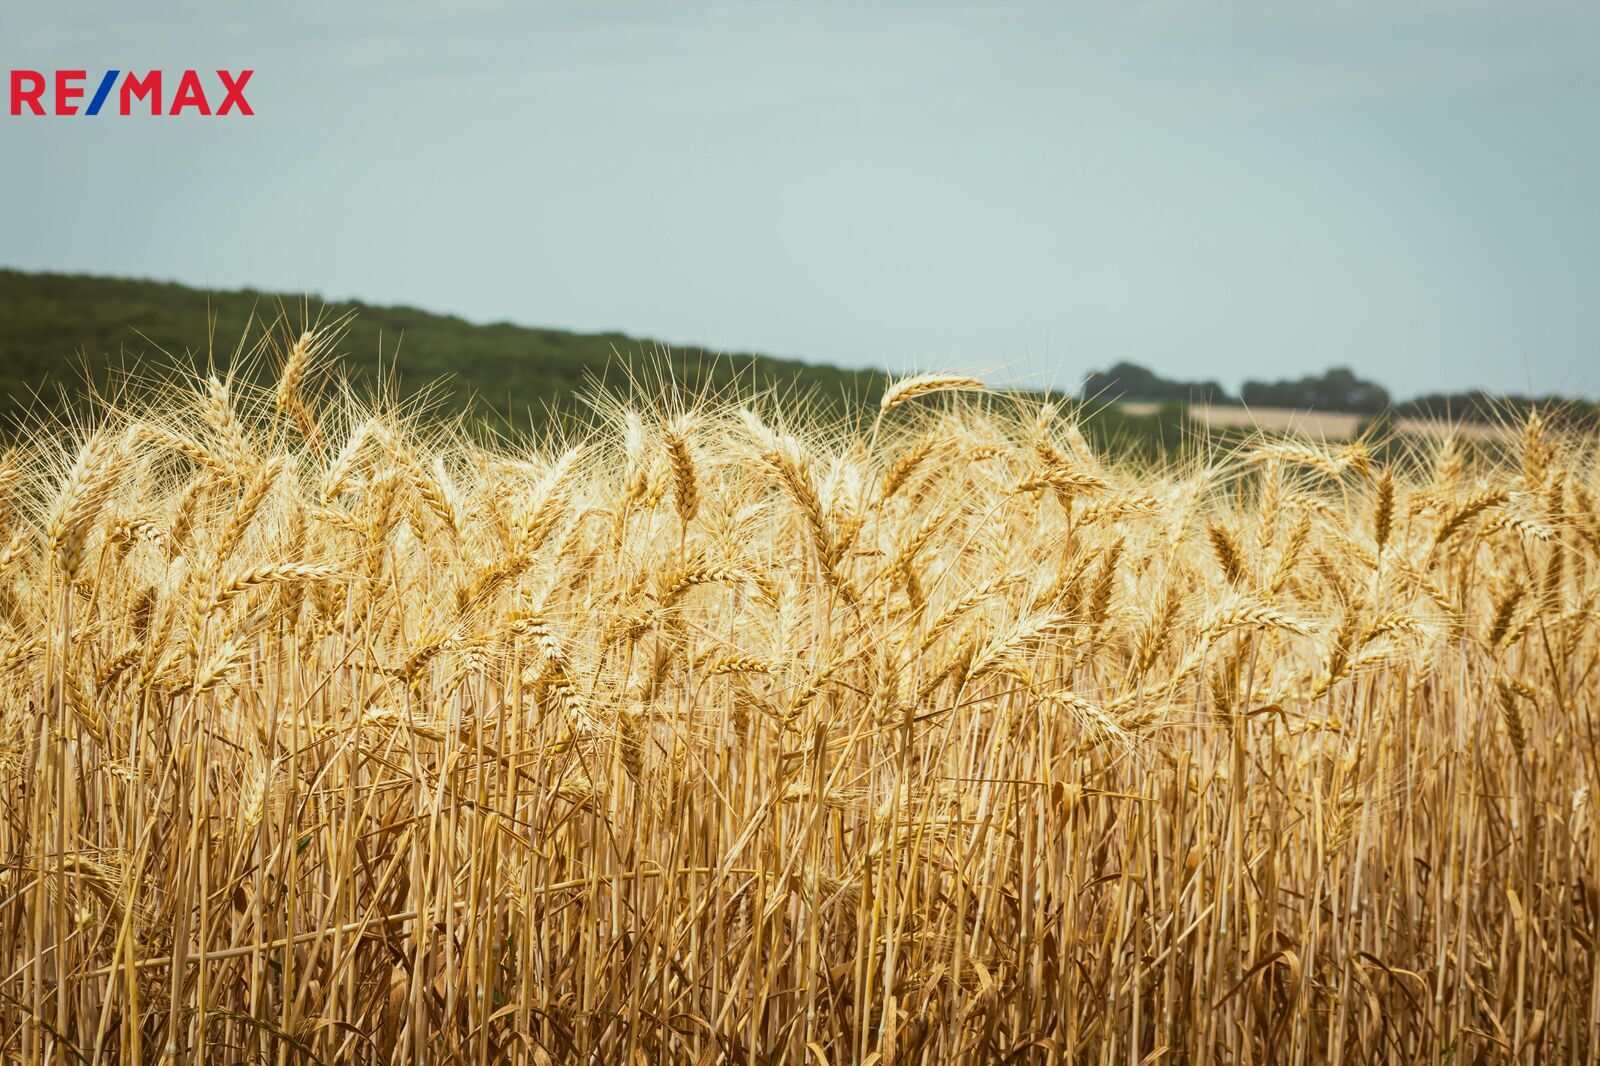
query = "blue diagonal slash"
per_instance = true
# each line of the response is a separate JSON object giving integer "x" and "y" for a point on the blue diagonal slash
{"x": 101, "y": 93}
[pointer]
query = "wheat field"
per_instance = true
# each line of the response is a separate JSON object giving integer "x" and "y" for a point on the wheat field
{"x": 716, "y": 733}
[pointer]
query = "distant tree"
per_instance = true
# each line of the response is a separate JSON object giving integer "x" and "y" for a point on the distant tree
{"x": 1334, "y": 390}
{"x": 1130, "y": 381}
{"x": 1482, "y": 406}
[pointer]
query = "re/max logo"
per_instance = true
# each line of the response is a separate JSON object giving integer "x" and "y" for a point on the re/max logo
{"x": 30, "y": 90}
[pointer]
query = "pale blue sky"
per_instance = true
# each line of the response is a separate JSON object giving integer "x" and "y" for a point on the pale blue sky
{"x": 1218, "y": 189}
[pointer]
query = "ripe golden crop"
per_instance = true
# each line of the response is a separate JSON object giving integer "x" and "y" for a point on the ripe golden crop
{"x": 329, "y": 734}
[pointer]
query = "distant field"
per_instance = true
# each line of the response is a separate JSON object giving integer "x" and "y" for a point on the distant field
{"x": 1318, "y": 425}
{"x": 1432, "y": 427}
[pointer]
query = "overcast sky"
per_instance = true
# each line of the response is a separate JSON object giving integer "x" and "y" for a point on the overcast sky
{"x": 1215, "y": 189}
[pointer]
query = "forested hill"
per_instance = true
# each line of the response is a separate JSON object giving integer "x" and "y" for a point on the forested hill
{"x": 52, "y": 326}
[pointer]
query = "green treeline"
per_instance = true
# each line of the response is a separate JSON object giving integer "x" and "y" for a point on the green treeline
{"x": 56, "y": 330}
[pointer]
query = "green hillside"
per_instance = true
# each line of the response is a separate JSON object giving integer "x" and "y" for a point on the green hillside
{"x": 54, "y": 326}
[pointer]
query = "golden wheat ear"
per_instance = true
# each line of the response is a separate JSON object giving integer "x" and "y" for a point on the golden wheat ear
{"x": 907, "y": 389}
{"x": 686, "y": 488}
